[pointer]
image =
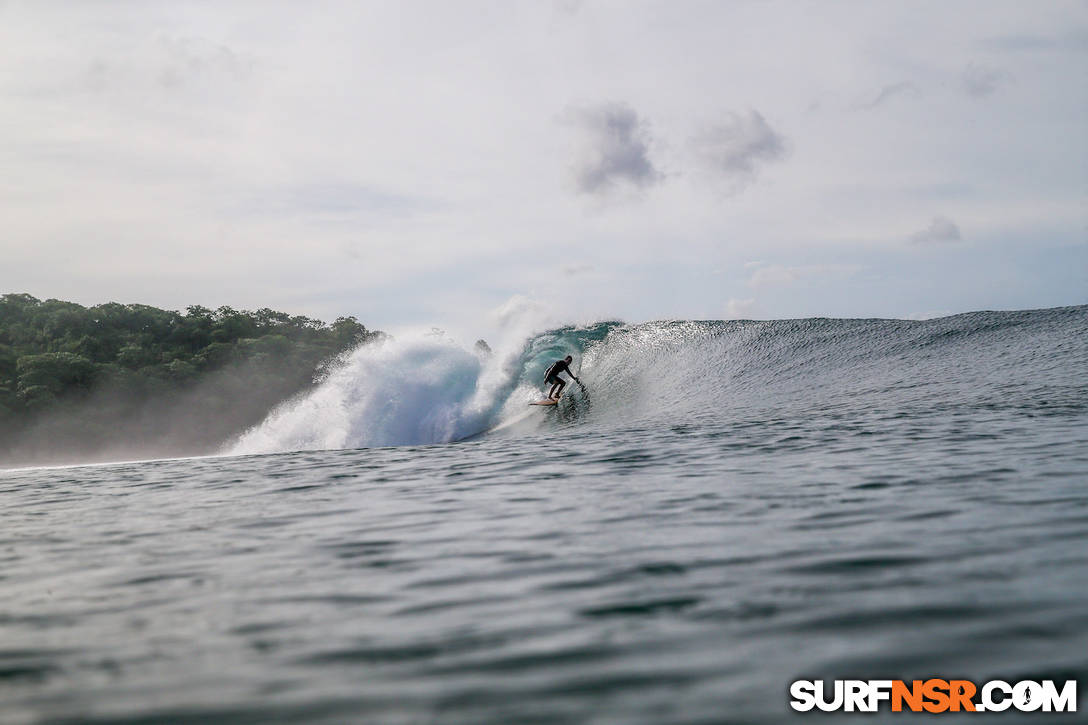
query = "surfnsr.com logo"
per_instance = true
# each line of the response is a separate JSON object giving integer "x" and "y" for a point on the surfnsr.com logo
{"x": 933, "y": 695}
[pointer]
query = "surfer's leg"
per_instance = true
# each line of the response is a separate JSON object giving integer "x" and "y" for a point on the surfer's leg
{"x": 558, "y": 389}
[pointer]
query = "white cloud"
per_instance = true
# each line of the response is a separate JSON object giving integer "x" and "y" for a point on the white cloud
{"x": 888, "y": 92}
{"x": 980, "y": 81}
{"x": 777, "y": 274}
{"x": 940, "y": 229}
{"x": 576, "y": 270}
{"x": 568, "y": 7}
{"x": 931, "y": 315}
{"x": 774, "y": 274}
{"x": 737, "y": 309}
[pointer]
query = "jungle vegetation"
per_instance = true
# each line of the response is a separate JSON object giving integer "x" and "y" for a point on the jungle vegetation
{"x": 80, "y": 383}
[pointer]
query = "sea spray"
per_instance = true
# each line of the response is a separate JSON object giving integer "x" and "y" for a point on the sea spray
{"x": 389, "y": 393}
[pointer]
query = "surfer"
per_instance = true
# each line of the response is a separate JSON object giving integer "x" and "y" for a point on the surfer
{"x": 552, "y": 376}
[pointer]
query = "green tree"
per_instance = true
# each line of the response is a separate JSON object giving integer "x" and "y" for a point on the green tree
{"x": 140, "y": 361}
{"x": 55, "y": 371}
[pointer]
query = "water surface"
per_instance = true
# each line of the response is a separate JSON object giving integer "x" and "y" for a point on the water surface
{"x": 732, "y": 507}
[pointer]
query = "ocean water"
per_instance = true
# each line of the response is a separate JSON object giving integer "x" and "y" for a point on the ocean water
{"x": 725, "y": 508}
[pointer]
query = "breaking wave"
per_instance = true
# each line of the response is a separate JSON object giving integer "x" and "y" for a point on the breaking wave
{"x": 432, "y": 390}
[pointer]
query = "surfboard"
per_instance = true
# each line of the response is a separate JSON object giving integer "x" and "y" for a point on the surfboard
{"x": 545, "y": 402}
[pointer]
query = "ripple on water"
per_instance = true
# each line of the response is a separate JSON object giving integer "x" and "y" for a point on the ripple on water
{"x": 679, "y": 577}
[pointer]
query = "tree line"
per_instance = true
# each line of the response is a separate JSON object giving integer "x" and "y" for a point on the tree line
{"x": 78, "y": 381}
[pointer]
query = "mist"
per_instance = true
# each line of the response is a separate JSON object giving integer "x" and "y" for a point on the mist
{"x": 113, "y": 422}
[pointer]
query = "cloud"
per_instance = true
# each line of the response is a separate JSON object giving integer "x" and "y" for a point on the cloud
{"x": 777, "y": 274}
{"x": 773, "y": 274}
{"x": 612, "y": 151}
{"x": 169, "y": 63}
{"x": 325, "y": 199}
{"x": 1075, "y": 40}
{"x": 980, "y": 81}
{"x": 940, "y": 229}
{"x": 887, "y": 93}
{"x": 567, "y": 7}
{"x": 186, "y": 59}
{"x": 740, "y": 309}
{"x": 735, "y": 148}
{"x": 574, "y": 270}
{"x": 931, "y": 315}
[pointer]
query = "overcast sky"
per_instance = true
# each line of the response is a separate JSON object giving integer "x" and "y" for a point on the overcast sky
{"x": 424, "y": 163}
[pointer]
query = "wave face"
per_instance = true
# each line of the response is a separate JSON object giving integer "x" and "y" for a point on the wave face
{"x": 431, "y": 390}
